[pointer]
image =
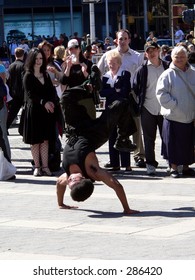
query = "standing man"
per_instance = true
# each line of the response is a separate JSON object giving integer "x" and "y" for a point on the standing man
{"x": 12, "y": 48}
{"x": 15, "y": 85}
{"x": 179, "y": 35}
{"x": 144, "y": 86}
{"x": 25, "y": 47}
{"x": 131, "y": 60}
{"x": 150, "y": 36}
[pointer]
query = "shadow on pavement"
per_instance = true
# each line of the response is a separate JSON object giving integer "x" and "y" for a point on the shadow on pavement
{"x": 35, "y": 182}
{"x": 189, "y": 213}
{"x": 102, "y": 214}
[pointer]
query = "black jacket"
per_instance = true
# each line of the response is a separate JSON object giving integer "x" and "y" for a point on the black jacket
{"x": 15, "y": 80}
{"x": 3, "y": 93}
{"x": 140, "y": 81}
{"x": 122, "y": 83}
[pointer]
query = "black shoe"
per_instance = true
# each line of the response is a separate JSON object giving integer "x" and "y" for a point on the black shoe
{"x": 108, "y": 165}
{"x": 12, "y": 177}
{"x": 174, "y": 173}
{"x": 188, "y": 173}
{"x": 124, "y": 145}
{"x": 140, "y": 163}
{"x": 117, "y": 168}
{"x": 128, "y": 169}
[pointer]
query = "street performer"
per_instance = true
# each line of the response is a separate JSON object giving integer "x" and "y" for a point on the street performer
{"x": 84, "y": 137}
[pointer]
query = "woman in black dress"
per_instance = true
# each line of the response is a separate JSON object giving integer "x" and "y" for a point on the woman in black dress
{"x": 39, "y": 119}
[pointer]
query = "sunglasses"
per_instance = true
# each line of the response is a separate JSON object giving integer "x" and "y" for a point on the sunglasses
{"x": 76, "y": 47}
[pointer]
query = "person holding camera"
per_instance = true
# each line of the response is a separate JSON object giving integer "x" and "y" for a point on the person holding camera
{"x": 77, "y": 71}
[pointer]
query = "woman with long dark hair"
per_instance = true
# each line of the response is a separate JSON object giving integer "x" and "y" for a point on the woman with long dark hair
{"x": 39, "y": 119}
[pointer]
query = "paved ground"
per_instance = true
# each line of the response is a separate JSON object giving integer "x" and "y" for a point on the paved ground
{"x": 32, "y": 227}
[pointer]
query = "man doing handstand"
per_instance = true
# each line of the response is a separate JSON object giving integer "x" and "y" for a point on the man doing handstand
{"x": 79, "y": 159}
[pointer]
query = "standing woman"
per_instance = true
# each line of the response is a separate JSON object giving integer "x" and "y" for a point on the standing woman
{"x": 77, "y": 70}
{"x": 55, "y": 146}
{"x": 116, "y": 85}
{"x": 176, "y": 94}
{"x": 48, "y": 52}
{"x": 39, "y": 120}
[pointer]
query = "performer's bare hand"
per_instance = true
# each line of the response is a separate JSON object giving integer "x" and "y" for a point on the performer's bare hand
{"x": 64, "y": 206}
{"x": 131, "y": 212}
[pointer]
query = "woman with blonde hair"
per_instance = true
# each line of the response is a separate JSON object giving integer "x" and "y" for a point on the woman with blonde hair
{"x": 116, "y": 85}
{"x": 59, "y": 55}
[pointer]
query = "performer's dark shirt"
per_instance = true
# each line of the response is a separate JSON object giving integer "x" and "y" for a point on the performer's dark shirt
{"x": 76, "y": 154}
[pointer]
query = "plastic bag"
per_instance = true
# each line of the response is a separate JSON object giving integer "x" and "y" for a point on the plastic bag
{"x": 7, "y": 169}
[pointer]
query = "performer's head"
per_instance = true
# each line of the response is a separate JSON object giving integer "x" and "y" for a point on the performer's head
{"x": 81, "y": 188}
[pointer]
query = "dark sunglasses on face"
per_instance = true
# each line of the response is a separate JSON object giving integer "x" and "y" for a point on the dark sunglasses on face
{"x": 76, "y": 47}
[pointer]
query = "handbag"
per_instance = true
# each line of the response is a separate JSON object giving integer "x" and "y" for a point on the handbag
{"x": 21, "y": 124}
{"x": 7, "y": 169}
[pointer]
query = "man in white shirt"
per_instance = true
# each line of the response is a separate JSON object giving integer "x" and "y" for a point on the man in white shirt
{"x": 131, "y": 60}
{"x": 25, "y": 47}
{"x": 179, "y": 35}
{"x": 144, "y": 85}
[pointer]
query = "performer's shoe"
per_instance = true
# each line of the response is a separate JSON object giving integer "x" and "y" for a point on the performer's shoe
{"x": 124, "y": 145}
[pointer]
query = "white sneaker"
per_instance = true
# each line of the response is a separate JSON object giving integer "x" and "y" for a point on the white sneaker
{"x": 151, "y": 170}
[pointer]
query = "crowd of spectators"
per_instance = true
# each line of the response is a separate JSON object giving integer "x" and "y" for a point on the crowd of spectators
{"x": 46, "y": 68}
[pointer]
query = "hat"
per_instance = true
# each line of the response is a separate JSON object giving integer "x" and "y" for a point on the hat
{"x": 2, "y": 68}
{"x": 73, "y": 43}
{"x": 151, "y": 44}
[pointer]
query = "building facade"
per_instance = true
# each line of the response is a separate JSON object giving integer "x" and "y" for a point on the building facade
{"x": 31, "y": 18}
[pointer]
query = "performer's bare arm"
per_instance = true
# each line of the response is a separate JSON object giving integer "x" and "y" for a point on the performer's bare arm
{"x": 96, "y": 173}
